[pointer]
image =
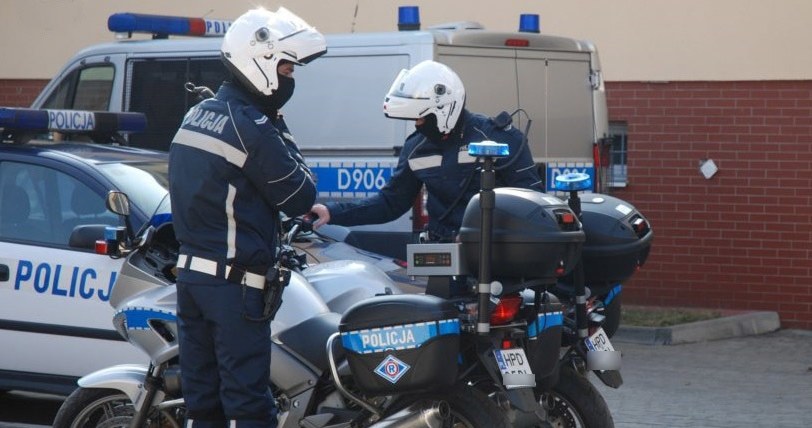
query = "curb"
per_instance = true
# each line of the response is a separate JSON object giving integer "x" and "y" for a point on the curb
{"x": 746, "y": 324}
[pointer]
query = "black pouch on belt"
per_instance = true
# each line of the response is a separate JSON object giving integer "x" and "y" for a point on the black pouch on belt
{"x": 275, "y": 283}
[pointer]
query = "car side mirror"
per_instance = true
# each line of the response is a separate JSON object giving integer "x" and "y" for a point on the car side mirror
{"x": 118, "y": 202}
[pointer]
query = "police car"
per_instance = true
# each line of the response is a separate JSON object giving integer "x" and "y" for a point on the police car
{"x": 55, "y": 320}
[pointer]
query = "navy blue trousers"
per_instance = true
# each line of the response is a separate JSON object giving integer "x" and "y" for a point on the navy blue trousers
{"x": 225, "y": 359}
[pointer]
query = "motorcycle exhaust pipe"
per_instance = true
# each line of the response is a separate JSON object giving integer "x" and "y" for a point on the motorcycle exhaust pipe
{"x": 417, "y": 416}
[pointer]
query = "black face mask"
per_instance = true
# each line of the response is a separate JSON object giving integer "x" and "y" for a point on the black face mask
{"x": 429, "y": 129}
{"x": 283, "y": 93}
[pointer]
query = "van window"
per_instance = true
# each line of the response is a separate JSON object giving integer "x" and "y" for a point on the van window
{"x": 157, "y": 90}
{"x": 86, "y": 88}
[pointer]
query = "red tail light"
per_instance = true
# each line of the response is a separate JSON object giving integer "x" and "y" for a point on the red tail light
{"x": 566, "y": 218}
{"x": 420, "y": 215}
{"x": 506, "y": 310}
{"x": 559, "y": 271}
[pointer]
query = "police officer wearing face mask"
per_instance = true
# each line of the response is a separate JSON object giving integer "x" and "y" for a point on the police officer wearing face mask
{"x": 436, "y": 155}
{"x": 233, "y": 167}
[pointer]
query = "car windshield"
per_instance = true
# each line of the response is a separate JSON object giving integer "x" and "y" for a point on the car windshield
{"x": 145, "y": 183}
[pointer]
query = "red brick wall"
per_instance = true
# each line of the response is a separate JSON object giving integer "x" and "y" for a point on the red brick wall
{"x": 743, "y": 239}
{"x": 19, "y": 92}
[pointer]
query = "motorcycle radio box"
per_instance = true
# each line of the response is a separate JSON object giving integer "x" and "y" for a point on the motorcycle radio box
{"x": 401, "y": 343}
{"x": 435, "y": 260}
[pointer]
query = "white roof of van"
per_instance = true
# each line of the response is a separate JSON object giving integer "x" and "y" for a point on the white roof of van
{"x": 482, "y": 38}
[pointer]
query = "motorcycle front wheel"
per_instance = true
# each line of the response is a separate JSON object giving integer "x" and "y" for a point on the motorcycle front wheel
{"x": 469, "y": 407}
{"x": 575, "y": 403}
{"x": 108, "y": 408}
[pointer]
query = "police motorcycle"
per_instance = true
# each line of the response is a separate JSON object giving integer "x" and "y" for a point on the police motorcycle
{"x": 618, "y": 241}
{"x": 389, "y": 360}
{"x": 513, "y": 247}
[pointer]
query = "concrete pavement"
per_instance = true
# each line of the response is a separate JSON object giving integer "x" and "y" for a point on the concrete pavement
{"x": 760, "y": 381}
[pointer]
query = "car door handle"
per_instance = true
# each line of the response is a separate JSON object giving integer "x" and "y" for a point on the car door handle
{"x": 4, "y": 273}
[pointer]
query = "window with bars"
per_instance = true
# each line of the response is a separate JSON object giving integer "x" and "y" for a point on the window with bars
{"x": 618, "y": 133}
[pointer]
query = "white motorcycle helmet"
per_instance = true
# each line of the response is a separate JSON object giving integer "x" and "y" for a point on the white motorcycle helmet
{"x": 258, "y": 40}
{"x": 427, "y": 88}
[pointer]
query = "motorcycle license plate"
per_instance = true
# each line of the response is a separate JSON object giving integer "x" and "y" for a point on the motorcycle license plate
{"x": 601, "y": 355}
{"x": 516, "y": 371}
{"x": 512, "y": 361}
{"x": 513, "y": 364}
{"x": 599, "y": 341}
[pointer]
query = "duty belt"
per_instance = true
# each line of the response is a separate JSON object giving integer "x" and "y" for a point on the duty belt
{"x": 226, "y": 271}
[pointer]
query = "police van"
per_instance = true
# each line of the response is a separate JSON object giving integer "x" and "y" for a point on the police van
{"x": 336, "y": 114}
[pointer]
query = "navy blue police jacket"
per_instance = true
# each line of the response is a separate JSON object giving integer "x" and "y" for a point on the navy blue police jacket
{"x": 232, "y": 169}
{"x": 450, "y": 174}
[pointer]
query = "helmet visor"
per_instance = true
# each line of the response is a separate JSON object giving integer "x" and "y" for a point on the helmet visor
{"x": 403, "y": 87}
{"x": 299, "y": 42}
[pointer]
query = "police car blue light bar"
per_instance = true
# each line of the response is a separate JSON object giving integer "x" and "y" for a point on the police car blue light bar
{"x": 71, "y": 120}
{"x": 166, "y": 25}
{"x": 489, "y": 148}
{"x": 573, "y": 181}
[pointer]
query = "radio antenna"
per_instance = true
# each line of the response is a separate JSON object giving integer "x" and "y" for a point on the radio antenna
{"x": 354, "y": 16}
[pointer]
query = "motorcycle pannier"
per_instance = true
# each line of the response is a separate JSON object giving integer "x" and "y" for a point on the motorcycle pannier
{"x": 401, "y": 343}
{"x": 618, "y": 240}
{"x": 544, "y": 343}
{"x": 535, "y": 235}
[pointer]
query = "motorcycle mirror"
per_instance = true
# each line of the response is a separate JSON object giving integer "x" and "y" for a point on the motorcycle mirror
{"x": 118, "y": 202}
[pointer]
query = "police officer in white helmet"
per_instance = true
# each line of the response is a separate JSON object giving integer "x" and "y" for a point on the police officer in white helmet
{"x": 233, "y": 167}
{"x": 436, "y": 155}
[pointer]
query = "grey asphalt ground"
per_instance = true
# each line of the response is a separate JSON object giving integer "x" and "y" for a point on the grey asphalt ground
{"x": 744, "y": 381}
{"x": 748, "y": 381}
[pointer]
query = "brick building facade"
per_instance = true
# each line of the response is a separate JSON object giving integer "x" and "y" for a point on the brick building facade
{"x": 739, "y": 240}
{"x": 20, "y": 92}
{"x": 743, "y": 238}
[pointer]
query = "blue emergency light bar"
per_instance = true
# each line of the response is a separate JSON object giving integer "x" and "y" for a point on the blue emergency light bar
{"x": 408, "y": 18}
{"x": 70, "y": 120}
{"x": 529, "y": 23}
{"x": 489, "y": 148}
{"x": 572, "y": 182}
{"x": 161, "y": 25}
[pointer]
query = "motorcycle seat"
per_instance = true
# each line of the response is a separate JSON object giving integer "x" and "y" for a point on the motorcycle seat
{"x": 308, "y": 339}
